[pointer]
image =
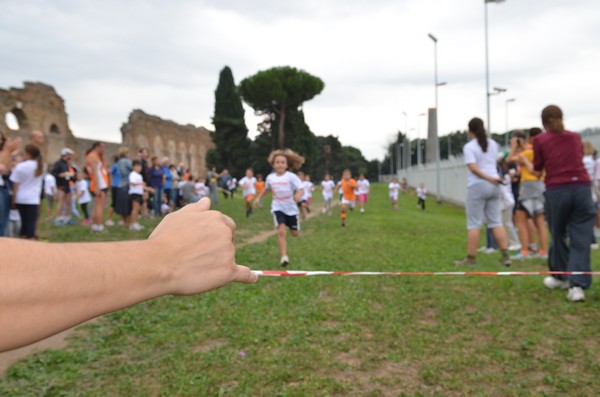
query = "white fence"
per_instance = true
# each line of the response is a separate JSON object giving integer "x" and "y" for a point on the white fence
{"x": 453, "y": 176}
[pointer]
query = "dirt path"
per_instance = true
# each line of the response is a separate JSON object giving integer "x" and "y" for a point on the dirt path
{"x": 59, "y": 341}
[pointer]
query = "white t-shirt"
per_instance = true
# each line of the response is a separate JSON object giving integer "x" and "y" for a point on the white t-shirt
{"x": 308, "y": 187}
{"x": 82, "y": 186}
{"x": 49, "y": 185}
{"x": 136, "y": 178}
{"x": 421, "y": 193}
{"x": 486, "y": 162}
{"x": 328, "y": 187}
{"x": 394, "y": 188}
{"x": 200, "y": 189}
{"x": 30, "y": 186}
{"x": 363, "y": 186}
{"x": 248, "y": 186}
{"x": 283, "y": 188}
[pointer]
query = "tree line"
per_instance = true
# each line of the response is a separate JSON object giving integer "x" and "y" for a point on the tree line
{"x": 277, "y": 95}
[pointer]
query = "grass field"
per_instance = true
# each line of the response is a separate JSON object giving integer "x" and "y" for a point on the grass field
{"x": 339, "y": 336}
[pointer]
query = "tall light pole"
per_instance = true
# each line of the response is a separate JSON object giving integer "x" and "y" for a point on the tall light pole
{"x": 487, "y": 63}
{"x": 437, "y": 138}
{"x": 506, "y": 115}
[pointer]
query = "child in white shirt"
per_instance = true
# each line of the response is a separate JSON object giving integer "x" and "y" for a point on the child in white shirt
{"x": 83, "y": 195}
{"x": 328, "y": 186}
{"x": 248, "y": 184}
{"x": 287, "y": 190}
{"x": 422, "y": 195}
{"x": 362, "y": 191}
{"x": 394, "y": 187}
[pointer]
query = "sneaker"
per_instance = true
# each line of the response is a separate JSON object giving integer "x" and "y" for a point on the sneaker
{"x": 70, "y": 221}
{"x": 469, "y": 261}
{"x": 505, "y": 261}
{"x": 482, "y": 249}
{"x": 541, "y": 255}
{"x": 362, "y": 210}
{"x": 85, "y": 222}
{"x": 121, "y": 222}
{"x": 520, "y": 256}
{"x": 554, "y": 283}
{"x": 109, "y": 223}
{"x": 58, "y": 222}
{"x": 514, "y": 247}
{"x": 490, "y": 251}
{"x": 136, "y": 226}
{"x": 576, "y": 294}
{"x": 284, "y": 261}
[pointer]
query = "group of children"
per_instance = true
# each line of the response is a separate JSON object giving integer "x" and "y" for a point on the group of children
{"x": 291, "y": 194}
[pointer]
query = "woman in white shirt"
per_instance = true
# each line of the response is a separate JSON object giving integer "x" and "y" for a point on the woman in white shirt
{"x": 483, "y": 192}
{"x": 27, "y": 177}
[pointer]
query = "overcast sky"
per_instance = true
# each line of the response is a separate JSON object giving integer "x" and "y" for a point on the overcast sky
{"x": 106, "y": 58}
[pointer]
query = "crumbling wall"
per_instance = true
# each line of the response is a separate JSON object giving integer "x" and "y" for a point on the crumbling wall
{"x": 186, "y": 144}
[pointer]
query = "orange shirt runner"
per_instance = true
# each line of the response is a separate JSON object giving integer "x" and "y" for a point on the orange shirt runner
{"x": 348, "y": 187}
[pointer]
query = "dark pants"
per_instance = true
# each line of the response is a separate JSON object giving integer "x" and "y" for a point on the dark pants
{"x": 84, "y": 208}
{"x": 4, "y": 209}
{"x": 421, "y": 202}
{"x": 491, "y": 240}
{"x": 29, "y": 213}
{"x": 571, "y": 213}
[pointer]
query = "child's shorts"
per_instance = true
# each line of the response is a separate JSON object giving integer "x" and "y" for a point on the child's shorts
{"x": 136, "y": 198}
{"x": 291, "y": 221}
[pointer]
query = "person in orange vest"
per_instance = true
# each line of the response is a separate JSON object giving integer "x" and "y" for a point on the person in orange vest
{"x": 94, "y": 166}
{"x": 348, "y": 196}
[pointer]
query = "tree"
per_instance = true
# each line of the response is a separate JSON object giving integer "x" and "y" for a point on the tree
{"x": 231, "y": 134}
{"x": 273, "y": 92}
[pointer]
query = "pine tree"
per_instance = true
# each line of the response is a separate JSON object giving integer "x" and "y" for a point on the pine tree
{"x": 231, "y": 134}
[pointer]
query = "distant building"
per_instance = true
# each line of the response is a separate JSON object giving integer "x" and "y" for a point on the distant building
{"x": 37, "y": 106}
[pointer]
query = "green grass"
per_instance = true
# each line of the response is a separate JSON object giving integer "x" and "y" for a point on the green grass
{"x": 363, "y": 336}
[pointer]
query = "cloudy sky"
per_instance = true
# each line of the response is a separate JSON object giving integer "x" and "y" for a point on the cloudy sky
{"x": 106, "y": 58}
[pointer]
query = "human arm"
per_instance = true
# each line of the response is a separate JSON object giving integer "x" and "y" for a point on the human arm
{"x": 10, "y": 146}
{"x": 47, "y": 288}
{"x": 475, "y": 170}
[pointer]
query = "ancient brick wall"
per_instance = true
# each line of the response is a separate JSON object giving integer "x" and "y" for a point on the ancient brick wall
{"x": 180, "y": 143}
{"x": 37, "y": 106}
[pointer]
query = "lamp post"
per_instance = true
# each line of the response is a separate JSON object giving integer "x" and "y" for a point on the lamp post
{"x": 487, "y": 62}
{"x": 506, "y": 115}
{"x": 437, "y": 139}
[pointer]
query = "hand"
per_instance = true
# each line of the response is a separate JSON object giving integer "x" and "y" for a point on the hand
{"x": 12, "y": 145}
{"x": 197, "y": 248}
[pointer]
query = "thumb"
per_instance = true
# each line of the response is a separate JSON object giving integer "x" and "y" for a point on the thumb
{"x": 243, "y": 274}
{"x": 200, "y": 206}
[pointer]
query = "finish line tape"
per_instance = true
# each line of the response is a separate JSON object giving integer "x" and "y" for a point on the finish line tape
{"x": 301, "y": 273}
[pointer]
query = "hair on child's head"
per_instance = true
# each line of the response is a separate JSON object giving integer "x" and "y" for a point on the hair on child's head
{"x": 294, "y": 160}
{"x": 136, "y": 162}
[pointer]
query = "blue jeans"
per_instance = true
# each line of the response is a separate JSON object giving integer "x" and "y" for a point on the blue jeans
{"x": 4, "y": 209}
{"x": 158, "y": 194}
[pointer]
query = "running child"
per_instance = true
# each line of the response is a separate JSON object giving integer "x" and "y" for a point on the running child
{"x": 84, "y": 197}
{"x": 286, "y": 189}
{"x": 303, "y": 203}
{"x": 309, "y": 188}
{"x": 248, "y": 184}
{"x": 363, "y": 191}
{"x": 422, "y": 195}
{"x": 259, "y": 186}
{"x": 328, "y": 187}
{"x": 347, "y": 185}
{"x": 394, "y": 187}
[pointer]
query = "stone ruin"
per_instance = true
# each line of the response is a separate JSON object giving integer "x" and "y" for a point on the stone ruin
{"x": 37, "y": 106}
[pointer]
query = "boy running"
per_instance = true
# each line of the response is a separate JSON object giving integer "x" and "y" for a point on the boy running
{"x": 328, "y": 187}
{"x": 248, "y": 184}
{"x": 287, "y": 190}
{"x": 347, "y": 185}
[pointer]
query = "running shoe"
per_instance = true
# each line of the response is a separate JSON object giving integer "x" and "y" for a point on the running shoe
{"x": 284, "y": 261}
{"x": 576, "y": 294}
{"x": 554, "y": 283}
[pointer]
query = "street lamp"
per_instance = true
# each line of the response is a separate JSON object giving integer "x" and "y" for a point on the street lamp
{"x": 506, "y": 115}
{"x": 487, "y": 62}
{"x": 437, "y": 139}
